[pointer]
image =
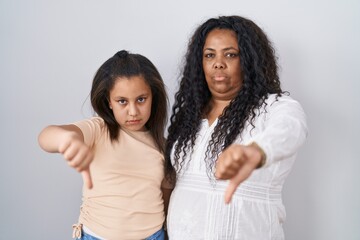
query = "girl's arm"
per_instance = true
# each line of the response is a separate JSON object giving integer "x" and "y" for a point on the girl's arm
{"x": 53, "y": 136}
{"x": 166, "y": 197}
{"x": 167, "y": 187}
{"x": 69, "y": 141}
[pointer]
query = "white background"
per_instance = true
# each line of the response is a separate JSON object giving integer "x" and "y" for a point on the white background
{"x": 50, "y": 50}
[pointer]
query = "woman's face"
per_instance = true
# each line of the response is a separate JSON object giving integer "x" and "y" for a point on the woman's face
{"x": 221, "y": 64}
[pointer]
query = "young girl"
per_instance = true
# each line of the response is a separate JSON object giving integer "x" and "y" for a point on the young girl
{"x": 120, "y": 152}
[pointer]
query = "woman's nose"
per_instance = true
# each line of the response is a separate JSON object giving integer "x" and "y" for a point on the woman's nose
{"x": 219, "y": 63}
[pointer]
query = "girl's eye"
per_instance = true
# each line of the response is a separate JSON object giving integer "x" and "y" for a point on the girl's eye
{"x": 122, "y": 101}
{"x": 141, "y": 100}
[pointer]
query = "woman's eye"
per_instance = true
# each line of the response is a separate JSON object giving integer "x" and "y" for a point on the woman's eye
{"x": 141, "y": 100}
{"x": 231, "y": 55}
{"x": 209, "y": 55}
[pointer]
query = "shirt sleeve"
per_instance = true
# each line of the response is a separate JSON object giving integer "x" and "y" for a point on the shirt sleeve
{"x": 285, "y": 129}
{"x": 91, "y": 129}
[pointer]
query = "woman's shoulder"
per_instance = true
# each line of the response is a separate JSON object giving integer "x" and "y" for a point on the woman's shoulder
{"x": 283, "y": 99}
{"x": 276, "y": 104}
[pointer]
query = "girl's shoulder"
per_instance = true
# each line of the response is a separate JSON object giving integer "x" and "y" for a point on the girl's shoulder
{"x": 95, "y": 120}
{"x": 93, "y": 124}
{"x": 98, "y": 120}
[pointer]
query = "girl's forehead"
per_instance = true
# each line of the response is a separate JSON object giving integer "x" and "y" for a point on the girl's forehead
{"x": 130, "y": 87}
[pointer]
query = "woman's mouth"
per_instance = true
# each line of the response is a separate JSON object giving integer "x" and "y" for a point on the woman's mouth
{"x": 219, "y": 77}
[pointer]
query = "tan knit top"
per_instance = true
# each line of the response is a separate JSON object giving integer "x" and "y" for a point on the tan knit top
{"x": 126, "y": 199}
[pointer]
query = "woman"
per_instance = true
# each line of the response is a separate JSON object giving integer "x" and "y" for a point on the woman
{"x": 231, "y": 120}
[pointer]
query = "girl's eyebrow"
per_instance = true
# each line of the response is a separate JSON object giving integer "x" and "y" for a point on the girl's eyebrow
{"x": 141, "y": 95}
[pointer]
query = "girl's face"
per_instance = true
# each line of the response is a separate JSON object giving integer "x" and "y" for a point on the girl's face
{"x": 130, "y": 101}
{"x": 221, "y": 64}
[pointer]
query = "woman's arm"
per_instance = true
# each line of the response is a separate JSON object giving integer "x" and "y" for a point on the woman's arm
{"x": 285, "y": 130}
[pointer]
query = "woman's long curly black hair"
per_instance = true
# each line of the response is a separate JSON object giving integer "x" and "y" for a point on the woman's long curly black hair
{"x": 260, "y": 78}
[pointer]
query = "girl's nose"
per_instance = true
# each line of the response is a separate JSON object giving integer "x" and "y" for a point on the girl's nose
{"x": 132, "y": 111}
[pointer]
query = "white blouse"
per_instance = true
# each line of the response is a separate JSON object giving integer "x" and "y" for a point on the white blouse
{"x": 197, "y": 209}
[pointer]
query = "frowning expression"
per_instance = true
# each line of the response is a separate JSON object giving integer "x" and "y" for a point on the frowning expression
{"x": 130, "y": 101}
{"x": 221, "y": 64}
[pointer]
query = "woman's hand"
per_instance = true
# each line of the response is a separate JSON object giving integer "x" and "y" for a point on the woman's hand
{"x": 236, "y": 163}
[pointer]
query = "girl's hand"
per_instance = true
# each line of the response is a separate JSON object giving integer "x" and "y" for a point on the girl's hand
{"x": 79, "y": 156}
{"x": 236, "y": 163}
